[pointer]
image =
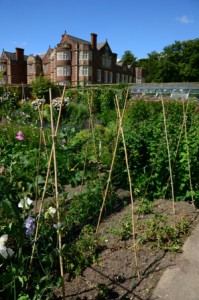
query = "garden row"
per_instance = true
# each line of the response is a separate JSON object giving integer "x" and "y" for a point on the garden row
{"x": 85, "y": 145}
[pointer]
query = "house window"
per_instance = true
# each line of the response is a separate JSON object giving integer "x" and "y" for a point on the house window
{"x": 117, "y": 78}
{"x": 99, "y": 75}
{"x": 3, "y": 80}
{"x": 64, "y": 55}
{"x": 45, "y": 68}
{"x": 83, "y": 71}
{"x": 2, "y": 68}
{"x": 30, "y": 69}
{"x": 105, "y": 77}
{"x": 110, "y": 77}
{"x": 63, "y": 71}
{"x": 122, "y": 78}
{"x": 83, "y": 55}
{"x": 138, "y": 80}
{"x": 126, "y": 78}
{"x": 106, "y": 61}
{"x": 130, "y": 79}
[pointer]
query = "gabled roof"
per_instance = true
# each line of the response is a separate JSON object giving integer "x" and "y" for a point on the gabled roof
{"x": 73, "y": 39}
{"x": 10, "y": 55}
{"x": 100, "y": 45}
{"x": 76, "y": 40}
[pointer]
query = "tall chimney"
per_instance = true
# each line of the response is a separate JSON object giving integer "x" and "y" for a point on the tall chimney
{"x": 94, "y": 40}
{"x": 19, "y": 54}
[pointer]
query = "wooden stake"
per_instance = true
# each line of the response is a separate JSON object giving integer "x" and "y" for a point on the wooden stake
{"x": 169, "y": 156}
{"x": 187, "y": 148}
{"x": 44, "y": 193}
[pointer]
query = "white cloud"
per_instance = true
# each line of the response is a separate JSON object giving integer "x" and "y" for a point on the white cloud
{"x": 19, "y": 44}
{"x": 184, "y": 19}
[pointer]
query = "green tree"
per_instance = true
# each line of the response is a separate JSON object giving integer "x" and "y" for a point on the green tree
{"x": 177, "y": 62}
{"x": 41, "y": 86}
{"x": 150, "y": 65}
{"x": 128, "y": 57}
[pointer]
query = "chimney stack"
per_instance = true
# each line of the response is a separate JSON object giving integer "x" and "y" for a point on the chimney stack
{"x": 19, "y": 54}
{"x": 94, "y": 40}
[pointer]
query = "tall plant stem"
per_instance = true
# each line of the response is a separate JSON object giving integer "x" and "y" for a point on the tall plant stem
{"x": 44, "y": 193}
{"x": 169, "y": 156}
{"x": 54, "y": 137}
{"x": 187, "y": 149}
{"x": 90, "y": 102}
{"x": 130, "y": 186}
{"x": 111, "y": 170}
{"x": 41, "y": 137}
{"x": 87, "y": 144}
{"x": 178, "y": 144}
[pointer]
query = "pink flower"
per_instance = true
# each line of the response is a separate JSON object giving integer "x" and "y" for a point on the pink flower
{"x": 20, "y": 136}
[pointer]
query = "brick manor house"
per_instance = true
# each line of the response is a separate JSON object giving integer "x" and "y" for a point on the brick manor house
{"x": 72, "y": 62}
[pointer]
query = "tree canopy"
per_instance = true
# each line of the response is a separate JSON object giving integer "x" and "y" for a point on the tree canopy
{"x": 41, "y": 86}
{"x": 177, "y": 62}
{"x": 128, "y": 57}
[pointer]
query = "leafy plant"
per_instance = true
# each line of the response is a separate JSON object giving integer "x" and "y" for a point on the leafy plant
{"x": 144, "y": 207}
{"x": 162, "y": 235}
{"x": 40, "y": 88}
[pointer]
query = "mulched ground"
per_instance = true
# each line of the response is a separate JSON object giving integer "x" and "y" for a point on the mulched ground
{"x": 114, "y": 275}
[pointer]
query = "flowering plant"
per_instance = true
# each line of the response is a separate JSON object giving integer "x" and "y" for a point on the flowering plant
{"x": 56, "y": 102}
{"x": 25, "y": 203}
{"x": 29, "y": 224}
{"x": 20, "y": 136}
{"x": 37, "y": 103}
{"x": 4, "y": 251}
{"x": 50, "y": 212}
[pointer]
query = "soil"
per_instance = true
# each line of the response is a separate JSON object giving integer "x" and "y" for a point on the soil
{"x": 115, "y": 275}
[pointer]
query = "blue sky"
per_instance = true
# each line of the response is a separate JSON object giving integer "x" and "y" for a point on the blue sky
{"x": 139, "y": 26}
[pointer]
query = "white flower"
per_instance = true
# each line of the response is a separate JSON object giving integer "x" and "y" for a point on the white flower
{"x": 25, "y": 203}
{"x": 3, "y": 239}
{"x": 10, "y": 252}
{"x": 57, "y": 226}
{"x": 4, "y": 251}
{"x": 51, "y": 211}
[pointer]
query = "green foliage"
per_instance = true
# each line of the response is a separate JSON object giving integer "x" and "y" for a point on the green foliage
{"x": 177, "y": 63}
{"x": 82, "y": 252}
{"x": 83, "y": 155}
{"x": 128, "y": 58}
{"x": 164, "y": 236}
{"x": 8, "y": 102}
{"x": 40, "y": 88}
{"x": 77, "y": 114}
{"x": 146, "y": 145}
{"x": 144, "y": 207}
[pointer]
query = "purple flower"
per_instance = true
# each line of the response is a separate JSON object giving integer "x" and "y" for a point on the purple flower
{"x": 29, "y": 224}
{"x": 20, "y": 136}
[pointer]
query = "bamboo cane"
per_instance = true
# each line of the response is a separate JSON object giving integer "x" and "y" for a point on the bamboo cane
{"x": 54, "y": 137}
{"x": 130, "y": 186}
{"x": 169, "y": 156}
{"x": 111, "y": 169}
{"x": 176, "y": 152}
{"x": 44, "y": 192}
{"x": 188, "y": 155}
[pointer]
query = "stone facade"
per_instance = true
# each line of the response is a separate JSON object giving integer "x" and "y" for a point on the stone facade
{"x": 73, "y": 61}
{"x": 13, "y": 67}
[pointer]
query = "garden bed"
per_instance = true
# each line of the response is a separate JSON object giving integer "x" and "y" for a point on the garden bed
{"x": 114, "y": 274}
